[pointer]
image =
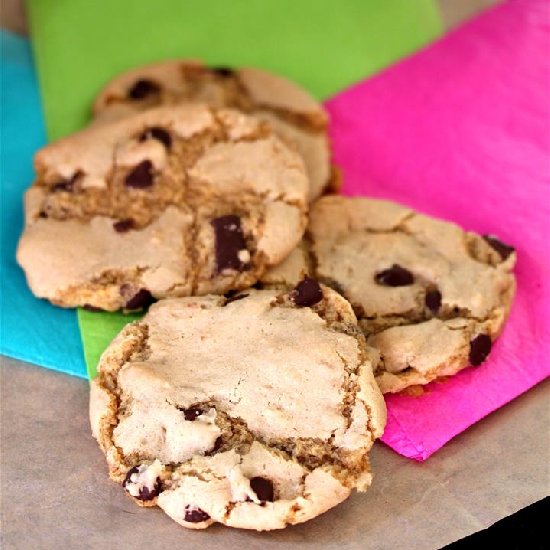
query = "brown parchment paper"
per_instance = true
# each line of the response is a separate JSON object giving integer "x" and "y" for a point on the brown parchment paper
{"x": 55, "y": 492}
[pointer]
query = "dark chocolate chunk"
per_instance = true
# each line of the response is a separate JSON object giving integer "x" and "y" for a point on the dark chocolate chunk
{"x": 228, "y": 243}
{"x": 149, "y": 494}
{"x": 42, "y": 214}
{"x": 263, "y": 488}
{"x": 143, "y": 88}
{"x": 433, "y": 300}
{"x": 224, "y": 72}
{"x": 217, "y": 444}
{"x": 141, "y": 176}
{"x": 66, "y": 185}
{"x": 89, "y": 307}
{"x": 307, "y": 292}
{"x": 194, "y": 514}
{"x": 480, "y": 347}
{"x": 192, "y": 413}
{"x": 394, "y": 276}
{"x": 130, "y": 473}
{"x": 142, "y": 298}
{"x": 503, "y": 249}
{"x": 63, "y": 186}
{"x": 124, "y": 225}
{"x": 145, "y": 493}
{"x": 158, "y": 133}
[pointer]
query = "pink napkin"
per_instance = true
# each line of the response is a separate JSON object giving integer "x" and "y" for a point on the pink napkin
{"x": 462, "y": 131}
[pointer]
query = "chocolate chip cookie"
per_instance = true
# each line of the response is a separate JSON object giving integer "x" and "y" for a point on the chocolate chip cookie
{"x": 256, "y": 410}
{"x": 173, "y": 201}
{"x": 291, "y": 111}
{"x": 429, "y": 296}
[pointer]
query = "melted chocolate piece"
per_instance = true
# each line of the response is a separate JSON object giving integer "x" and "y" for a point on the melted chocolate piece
{"x": 307, "y": 292}
{"x": 502, "y": 248}
{"x": 66, "y": 185}
{"x": 141, "y": 176}
{"x": 263, "y": 488}
{"x": 229, "y": 241}
{"x": 124, "y": 225}
{"x": 141, "y": 299}
{"x": 145, "y": 493}
{"x": 158, "y": 133}
{"x": 195, "y": 515}
{"x": 143, "y": 88}
{"x": 192, "y": 413}
{"x": 394, "y": 276}
{"x": 433, "y": 300}
{"x": 480, "y": 347}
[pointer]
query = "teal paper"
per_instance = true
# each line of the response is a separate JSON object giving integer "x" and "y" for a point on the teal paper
{"x": 31, "y": 330}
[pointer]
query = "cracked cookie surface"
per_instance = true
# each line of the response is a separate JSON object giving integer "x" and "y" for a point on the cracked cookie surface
{"x": 292, "y": 112}
{"x": 429, "y": 296}
{"x": 174, "y": 201}
{"x": 255, "y": 410}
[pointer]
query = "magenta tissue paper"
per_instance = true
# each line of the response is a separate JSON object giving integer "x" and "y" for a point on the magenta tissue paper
{"x": 462, "y": 131}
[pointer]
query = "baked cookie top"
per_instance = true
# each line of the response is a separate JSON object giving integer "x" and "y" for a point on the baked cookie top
{"x": 293, "y": 113}
{"x": 256, "y": 411}
{"x": 173, "y": 201}
{"x": 428, "y": 295}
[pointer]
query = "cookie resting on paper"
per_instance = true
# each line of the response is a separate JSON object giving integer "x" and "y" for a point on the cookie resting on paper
{"x": 174, "y": 201}
{"x": 293, "y": 113}
{"x": 430, "y": 297}
{"x": 255, "y": 410}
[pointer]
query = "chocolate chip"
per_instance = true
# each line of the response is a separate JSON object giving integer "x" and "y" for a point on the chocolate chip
{"x": 143, "y": 88}
{"x": 217, "y": 444}
{"x": 192, "y": 413}
{"x": 433, "y": 300}
{"x": 63, "y": 186}
{"x": 394, "y": 276}
{"x": 229, "y": 242}
{"x": 141, "y": 176}
{"x": 142, "y": 298}
{"x": 307, "y": 292}
{"x": 145, "y": 493}
{"x": 233, "y": 296}
{"x": 224, "y": 72}
{"x": 149, "y": 494}
{"x": 263, "y": 488}
{"x": 480, "y": 347}
{"x": 195, "y": 515}
{"x": 503, "y": 249}
{"x": 42, "y": 214}
{"x": 89, "y": 307}
{"x": 131, "y": 472}
{"x": 124, "y": 225}
{"x": 158, "y": 133}
{"x": 66, "y": 185}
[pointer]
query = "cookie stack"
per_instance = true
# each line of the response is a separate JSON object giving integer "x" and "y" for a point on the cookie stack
{"x": 250, "y": 393}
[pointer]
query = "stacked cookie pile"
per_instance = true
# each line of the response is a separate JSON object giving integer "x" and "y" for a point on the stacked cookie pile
{"x": 250, "y": 393}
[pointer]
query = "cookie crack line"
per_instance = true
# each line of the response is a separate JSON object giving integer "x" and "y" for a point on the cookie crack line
{"x": 148, "y": 474}
{"x": 161, "y": 213}
{"x": 456, "y": 278}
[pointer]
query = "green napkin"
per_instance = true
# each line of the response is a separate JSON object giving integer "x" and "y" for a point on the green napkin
{"x": 325, "y": 45}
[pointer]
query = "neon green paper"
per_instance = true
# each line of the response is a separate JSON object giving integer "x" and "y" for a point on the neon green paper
{"x": 325, "y": 45}
{"x": 97, "y": 330}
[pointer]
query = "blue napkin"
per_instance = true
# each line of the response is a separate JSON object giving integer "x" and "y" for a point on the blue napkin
{"x": 30, "y": 329}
